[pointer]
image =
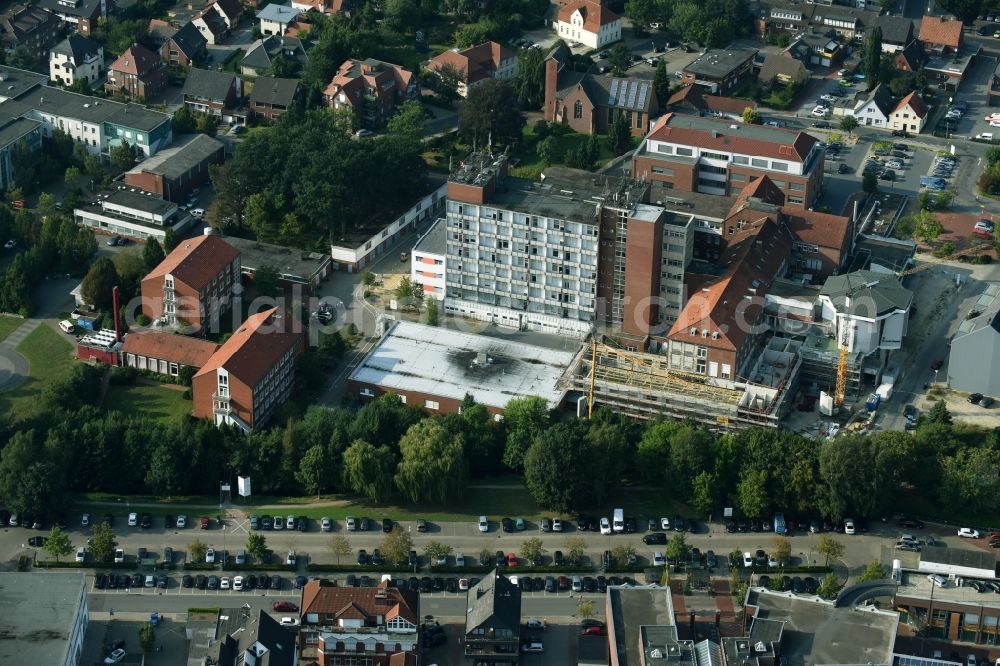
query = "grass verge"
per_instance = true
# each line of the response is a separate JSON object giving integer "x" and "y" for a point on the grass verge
{"x": 50, "y": 358}
{"x": 163, "y": 403}
{"x": 8, "y": 325}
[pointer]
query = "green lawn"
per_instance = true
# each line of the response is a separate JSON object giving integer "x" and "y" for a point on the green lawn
{"x": 160, "y": 402}
{"x": 8, "y": 325}
{"x": 50, "y": 358}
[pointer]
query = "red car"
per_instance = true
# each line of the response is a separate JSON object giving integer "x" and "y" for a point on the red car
{"x": 204, "y": 522}
{"x": 284, "y": 606}
{"x": 511, "y": 560}
{"x": 591, "y": 631}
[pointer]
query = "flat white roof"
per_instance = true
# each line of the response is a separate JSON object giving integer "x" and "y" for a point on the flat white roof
{"x": 447, "y": 363}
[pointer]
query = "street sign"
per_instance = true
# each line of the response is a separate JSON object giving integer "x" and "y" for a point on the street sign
{"x": 243, "y": 483}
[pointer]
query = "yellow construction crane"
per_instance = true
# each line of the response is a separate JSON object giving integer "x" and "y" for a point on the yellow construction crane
{"x": 844, "y": 342}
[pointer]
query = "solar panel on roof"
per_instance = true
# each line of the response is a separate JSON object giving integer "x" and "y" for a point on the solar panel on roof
{"x": 633, "y": 89}
{"x": 643, "y": 91}
{"x": 614, "y": 92}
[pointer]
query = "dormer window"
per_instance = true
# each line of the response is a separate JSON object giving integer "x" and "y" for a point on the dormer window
{"x": 694, "y": 331}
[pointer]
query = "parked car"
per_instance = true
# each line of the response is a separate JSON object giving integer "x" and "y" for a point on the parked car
{"x": 968, "y": 533}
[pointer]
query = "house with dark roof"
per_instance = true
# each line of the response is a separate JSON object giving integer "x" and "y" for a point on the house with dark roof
{"x": 812, "y": 50}
{"x": 217, "y": 20}
{"x": 263, "y": 53}
{"x": 186, "y": 47}
{"x": 245, "y": 637}
{"x": 137, "y": 73}
{"x": 251, "y": 374}
{"x": 217, "y": 93}
{"x": 941, "y": 35}
{"x": 910, "y": 58}
{"x": 79, "y": 15}
{"x": 31, "y": 28}
{"x": 476, "y": 64}
{"x": 588, "y": 22}
{"x": 173, "y": 173}
{"x": 870, "y": 109}
{"x": 909, "y": 114}
{"x": 165, "y": 353}
{"x": 693, "y": 154}
{"x": 371, "y": 89}
{"x": 782, "y": 69}
{"x": 493, "y": 621}
{"x": 720, "y": 70}
{"x": 897, "y": 32}
{"x": 695, "y": 99}
{"x": 193, "y": 284}
{"x": 272, "y": 97}
{"x": 336, "y": 619}
{"x": 76, "y": 58}
{"x": 868, "y": 309}
{"x": 589, "y": 103}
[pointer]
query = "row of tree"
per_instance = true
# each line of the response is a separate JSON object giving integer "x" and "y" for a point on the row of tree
{"x": 711, "y": 23}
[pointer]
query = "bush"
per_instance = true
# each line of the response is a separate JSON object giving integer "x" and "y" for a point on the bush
{"x": 357, "y": 568}
{"x": 124, "y": 376}
{"x": 945, "y": 250}
{"x": 187, "y": 394}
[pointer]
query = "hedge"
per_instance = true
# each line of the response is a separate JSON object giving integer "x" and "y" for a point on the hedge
{"x": 358, "y": 568}
{"x": 460, "y": 570}
{"x": 768, "y": 571}
{"x": 203, "y": 610}
{"x": 49, "y": 564}
{"x": 260, "y": 567}
{"x": 199, "y": 566}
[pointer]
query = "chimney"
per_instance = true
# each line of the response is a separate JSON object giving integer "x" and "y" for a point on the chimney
{"x": 551, "y": 85}
{"x": 118, "y": 317}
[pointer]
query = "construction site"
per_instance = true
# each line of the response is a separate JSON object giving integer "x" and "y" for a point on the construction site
{"x": 642, "y": 386}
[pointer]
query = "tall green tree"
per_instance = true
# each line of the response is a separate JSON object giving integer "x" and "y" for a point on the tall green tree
{"x": 491, "y": 113}
{"x": 396, "y": 546}
{"x": 257, "y": 546}
{"x": 829, "y": 548}
{"x": 152, "y": 254}
{"x": 620, "y": 59}
{"x": 661, "y": 83}
{"x": 848, "y": 124}
{"x": 58, "y": 544}
{"x": 317, "y": 469}
{"x": 556, "y": 467}
{"x": 123, "y": 156}
{"x": 102, "y": 543}
{"x": 875, "y": 570}
{"x": 183, "y": 121}
{"x": 432, "y": 466}
{"x": 523, "y": 419}
{"x": 530, "y": 83}
{"x": 98, "y": 284}
{"x": 369, "y": 469}
{"x": 871, "y": 57}
{"x": 619, "y": 135}
{"x": 408, "y": 121}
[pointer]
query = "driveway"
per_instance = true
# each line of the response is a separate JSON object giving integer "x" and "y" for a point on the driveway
{"x": 14, "y": 367}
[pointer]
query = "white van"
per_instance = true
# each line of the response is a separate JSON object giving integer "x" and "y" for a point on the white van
{"x": 938, "y": 581}
{"x": 618, "y": 524}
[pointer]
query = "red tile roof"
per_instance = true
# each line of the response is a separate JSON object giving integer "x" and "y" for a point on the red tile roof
{"x": 256, "y": 347}
{"x": 935, "y": 30}
{"x": 196, "y": 261}
{"x": 136, "y": 60}
{"x": 594, "y": 14}
{"x": 359, "y": 602}
{"x": 788, "y": 145}
{"x": 474, "y": 63}
{"x": 915, "y": 102}
{"x": 762, "y": 188}
{"x": 354, "y": 76}
{"x": 180, "y": 349}
{"x": 820, "y": 229}
{"x": 697, "y": 98}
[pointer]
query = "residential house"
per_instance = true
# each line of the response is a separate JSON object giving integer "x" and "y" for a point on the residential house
{"x": 173, "y": 173}
{"x": 588, "y": 22}
{"x": 98, "y": 124}
{"x": 76, "y": 58}
{"x": 250, "y": 638}
{"x": 793, "y": 19}
{"x": 783, "y": 70}
{"x": 322, "y": 6}
{"x": 721, "y": 71}
{"x": 271, "y": 97}
{"x": 897, "y": 32}
{"x": 910, "y": 114}
{"x": 371, "y": 89}
{"x": 694, "y": 98}
{"x": 589, "y": 103}
{"x": 79, "y": 15}
{"x": 186, "y": 47}
{"x": 263, "y": 53}
{"x": 165, "y": 353}
{"x": 719, "y": 327}
{"x": 814, "y": 50}
{"x": 217, "y": 20}
{"x": 337, "y": 620}
{"x": 31, "y": 28}
{"x": 692, "y": 154}
{"x": 275, "y": 19}
{"x": 910, "y": 58}
{"x": 217, "y": 93}
{"x": 871, "y": 109}
{"x": 137, "y": 73}
{"x": 845, "y": 23}
{"x": 948, "y": 70}
{"x": 193, "y": 285}
{"x": 941, "y": 35}
{"x": 493, "y": 621}
{"x": 251, "y": 374}
{"x": 477, "y": 64}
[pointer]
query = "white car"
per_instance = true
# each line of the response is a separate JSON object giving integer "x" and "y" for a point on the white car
{"x": 210, "y": 556}
{"x": 828, "y": 98}
{"x": 81, "y": 554}
{"x": 658, "y": 559}
{"x": 843, "y": 72}
{"x": 848, "y": 526}
{"x": 198, "y": 212}
{"x": 224, "y": 583}
{"x": 894, "y": 164}
{"x": 119, "y": 555}
{"x": 748, "y": 559}
{"x": 352, "y": 525}
{"x": 463, "y": 584}
{"x": 605, "y": 526}
{"x": 10, "y": 245}
{"x": 238, "y": 583}
{"x": 115, "y": 657}
{"x": 557, "y": 525}
{"x": 484, "y": 524}
{"x": 289, "y": 621}
{"x": 993, "y": 116}
{"x": 665, "y": 524}
{"x": 133, "y": 519}
{"x": 968, "y": 533}
{"x": 181, "y": 521}
{"x": 325, "y": 524}
{"x": 290, "y": 558}
{"x": 533, "y": 647}
{"x": 66, "y": 326}
{"x": 820, "y": 111}
{"x": 971, "y": 660}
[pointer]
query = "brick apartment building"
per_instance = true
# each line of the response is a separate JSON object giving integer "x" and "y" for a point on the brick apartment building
{"x": 371, "y": 89}
{"x": 476, "y": 64}
{"x": 138, "y": 72}
{"x": 251, "y": 374}
{"x": 192, "y": 284}
{"x": 590, "y": 103}
{"x": 173, "y": 173}
{"x": 165, "y": 353}
{"x": 337, "y": 621}
{"x": 694, "y": 154}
